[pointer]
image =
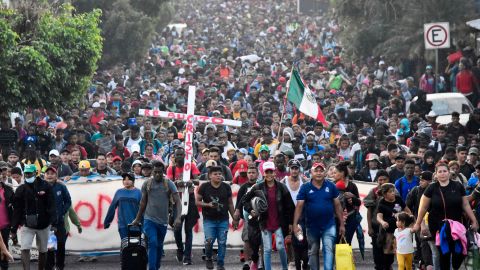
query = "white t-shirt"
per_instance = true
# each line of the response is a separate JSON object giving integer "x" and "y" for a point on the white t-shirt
{"x": 404, "y": 239}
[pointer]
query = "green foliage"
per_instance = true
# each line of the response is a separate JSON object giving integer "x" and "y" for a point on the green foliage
{"x": 51, "y": 63}
{"x": 128, "y": 26}
{"x": 395, "y": 27}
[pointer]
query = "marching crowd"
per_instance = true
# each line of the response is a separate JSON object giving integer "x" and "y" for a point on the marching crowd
{"x": 295, "y": 173}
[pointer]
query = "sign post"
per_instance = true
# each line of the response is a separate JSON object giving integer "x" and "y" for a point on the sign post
{"x": 191, "y": 119}
{"x": 436, "y": 36}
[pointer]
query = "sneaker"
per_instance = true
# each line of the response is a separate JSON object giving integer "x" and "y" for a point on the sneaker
{"x": 246, "y": 266}
{"x": 242, "y": 256}
{"x": 219, "y": 267}
{"x": 253, "y": 266}
{"x": 209, "y": 263}
{"x": 187, "y": 261}
{"x": 179, "y": 255}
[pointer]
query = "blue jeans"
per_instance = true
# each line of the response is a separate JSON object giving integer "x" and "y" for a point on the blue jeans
{"x": 216, "y": 229}
{"x": 327, "y": 237}
{"x": 156, "y": 234}
{"x": 267, "y": 248}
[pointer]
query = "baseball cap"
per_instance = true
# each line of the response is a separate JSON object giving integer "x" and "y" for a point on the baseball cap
{"x": 3, "y": 165}
{"x": 473, "y": 151}
{"x": 96, "y": 105}
{"x": 84, "y": 164}
{"x": 30, "y": 168}
{"x": 294, "y": 163}
{"x": 116, "y": 158}
{"x": 432, "y": 114}
{"x": 311, "y": 133}
{"x": 50, "y": 168}
{"x": 381, "y": 62}
{"x": 242, "y": 165}
{"x": 54, "y": 152}
{"x": 371, "y": 157}
{"x": 268, "y": 166}
{"x": 318, "y": 164}
{"x": 264, "y": 148}
{"x": 13, "y": 153}
{"x": 103, "y": 123}
{"x": 135, "y": 148}
{"x": 210, "y": 163}
{"x": 243, "y": 151}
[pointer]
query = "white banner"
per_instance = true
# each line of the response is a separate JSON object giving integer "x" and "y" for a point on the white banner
{"x": 91, "y": 201}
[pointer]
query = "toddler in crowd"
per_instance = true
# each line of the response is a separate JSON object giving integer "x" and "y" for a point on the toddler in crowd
{"x": 404, "y": 241}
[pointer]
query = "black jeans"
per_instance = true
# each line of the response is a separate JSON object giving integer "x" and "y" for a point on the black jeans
{"x": 5, "y": 235}
{"x": 177, "y": 233}
{"x": 254, "y": 238}
{"x": 57, "y": 258}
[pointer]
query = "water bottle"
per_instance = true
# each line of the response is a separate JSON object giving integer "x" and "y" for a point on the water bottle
{"x": 299, "y": 234}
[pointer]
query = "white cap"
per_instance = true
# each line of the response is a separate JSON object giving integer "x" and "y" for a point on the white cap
{"x": 432, "y": 114}
{"x": 181, "y": 71}
{"x": 102, "y": 101}
{"x": 381, "y": 62}
{"x": 135, "y": 148}
{"x": 54, "y": 152}
{"x": 268, "y": 166}
{"x": 390, "y": 68}
{"x": 311, "y": 132}
{"x": 96, "y": 105}
{"x": 137, "y": 162}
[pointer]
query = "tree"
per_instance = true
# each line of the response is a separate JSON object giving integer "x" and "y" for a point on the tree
{"x": 395, "y": 28}
{"x": 128, "y": 26}
{"x": 48, "y": 57}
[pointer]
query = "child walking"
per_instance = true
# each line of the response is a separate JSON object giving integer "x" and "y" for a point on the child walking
{"x": 404, "y": 239}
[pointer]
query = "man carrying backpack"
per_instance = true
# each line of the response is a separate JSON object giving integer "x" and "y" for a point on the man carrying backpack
{"x": 156, "y": 195}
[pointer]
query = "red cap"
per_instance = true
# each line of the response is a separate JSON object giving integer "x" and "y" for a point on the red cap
{"x": 242, "y": 165}
{"x": 50, "y": 168}
{"x": 318, "y": 164}
{"x": 116, "y": 158}
{"x": 42, "y": 123}
{"x": 282, "y": 80}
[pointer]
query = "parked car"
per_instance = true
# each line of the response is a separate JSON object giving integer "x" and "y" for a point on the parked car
{"x": 444, "y": 104}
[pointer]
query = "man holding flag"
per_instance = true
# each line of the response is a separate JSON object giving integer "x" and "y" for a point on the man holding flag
{"x": 303, "y": 98}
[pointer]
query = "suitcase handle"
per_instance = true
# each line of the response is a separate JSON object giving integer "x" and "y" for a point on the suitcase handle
{"x": 129, "y": 230}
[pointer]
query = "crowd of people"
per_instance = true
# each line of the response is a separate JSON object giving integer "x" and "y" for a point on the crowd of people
{"x": 295, "y": 173}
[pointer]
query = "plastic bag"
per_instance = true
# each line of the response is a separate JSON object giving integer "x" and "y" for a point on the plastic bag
{"x": 344, "y": 256}
{"x": 52, "y": 241}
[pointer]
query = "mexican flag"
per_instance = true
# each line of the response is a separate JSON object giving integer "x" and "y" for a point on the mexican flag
{"x": 301, "y": 96}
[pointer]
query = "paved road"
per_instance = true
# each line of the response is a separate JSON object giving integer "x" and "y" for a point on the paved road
{"x": 170, "y": 263}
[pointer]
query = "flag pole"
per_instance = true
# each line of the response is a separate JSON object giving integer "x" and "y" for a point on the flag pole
{"x": 285, "y": 98}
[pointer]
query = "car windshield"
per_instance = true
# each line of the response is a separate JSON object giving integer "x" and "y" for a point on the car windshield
{"x": 447, "y": 106}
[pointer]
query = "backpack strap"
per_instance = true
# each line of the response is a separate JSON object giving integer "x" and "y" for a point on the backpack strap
{"x": 443, "y": 200}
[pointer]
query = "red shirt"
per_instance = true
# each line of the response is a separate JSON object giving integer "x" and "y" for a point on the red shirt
{"x": 239, "y": 180}
{"x": 464, "y": 82}
{"x": 272, "y": 220}
{"x": 94, "y": 119}
{"x": 179, "y": 172}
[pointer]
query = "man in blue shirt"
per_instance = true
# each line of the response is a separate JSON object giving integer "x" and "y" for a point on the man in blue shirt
{"x": 407, "y": 182}
{"x": 320, "y": 198}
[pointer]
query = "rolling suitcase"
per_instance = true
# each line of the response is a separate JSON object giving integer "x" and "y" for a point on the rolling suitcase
{"x": 133, "y": 253}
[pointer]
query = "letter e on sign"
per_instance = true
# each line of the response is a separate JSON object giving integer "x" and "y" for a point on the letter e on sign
{"x": 436, "y": 35}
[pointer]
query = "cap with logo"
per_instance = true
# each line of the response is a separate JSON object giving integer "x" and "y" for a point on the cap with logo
{"x": 268, "y": 166}
{"x": 30, "y": 168}
{"x": 84, "y": 164}
{"x": 318, "y": 165}
{"x": 264, "y": 148}
{"x": 294, "y": 163}
{"x": 242, "y": 165}
{"x": 137, "y": 162}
